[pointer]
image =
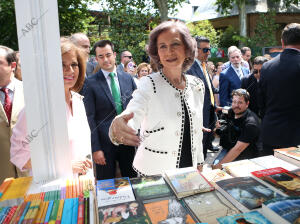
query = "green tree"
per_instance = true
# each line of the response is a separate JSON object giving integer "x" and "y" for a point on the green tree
{"x": 73, "y": 17}
{"x": 128, "y": 26}
{"x": 228, "y": 39}
{"x": 225, "y": 6}
{"x": 166, "y": 6}
{"x": 205, "y": 28}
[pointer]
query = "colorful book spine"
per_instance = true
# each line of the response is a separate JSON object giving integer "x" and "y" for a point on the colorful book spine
{"x": 60, "y": 211}
{"x": 4, "y": 213}
{"x": 42, "y": 220}
{"x": 24, "y": 212}
{"x": 40, "y": 212}
{"x": 34, "y": 212}
{"x": 54, "y": 212}
{"x": 67, "y": 211}
{"x": 10, "y": 215}
{"x": 47, "y": 217}
{"x": 75, "y": 211}
{"x": 80, "y": 219}
{"x": 20, "y": 212}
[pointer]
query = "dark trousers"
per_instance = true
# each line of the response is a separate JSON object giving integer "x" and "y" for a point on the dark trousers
{"x": 124, "y": 155}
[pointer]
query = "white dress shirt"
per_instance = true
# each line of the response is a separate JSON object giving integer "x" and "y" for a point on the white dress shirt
{"x": 11, "y": 90}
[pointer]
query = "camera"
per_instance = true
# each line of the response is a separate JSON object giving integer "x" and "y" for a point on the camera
{"x": 227, "y": 131}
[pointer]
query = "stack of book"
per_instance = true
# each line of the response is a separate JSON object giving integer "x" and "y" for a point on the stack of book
{"x": 291, "y": 155}
{"x": 60, "y": 201}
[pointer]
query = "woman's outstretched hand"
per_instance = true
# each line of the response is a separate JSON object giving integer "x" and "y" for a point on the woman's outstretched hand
{"x": 121, "y": 133}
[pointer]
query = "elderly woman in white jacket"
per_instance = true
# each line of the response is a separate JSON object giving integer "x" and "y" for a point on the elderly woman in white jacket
{"x": 164, "y": 118}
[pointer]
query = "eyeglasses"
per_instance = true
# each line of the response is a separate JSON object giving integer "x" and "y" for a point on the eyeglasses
{"x": 255, "y": 71}
{"x": 127, "y": 57}
{"x": 205, "y": 49}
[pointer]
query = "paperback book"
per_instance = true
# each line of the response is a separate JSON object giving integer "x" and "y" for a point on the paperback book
{"x": 114, "y": 191}
{"x": 207, "y": 207}
{"x": 291, "y": 155}
{"x": 246, "y": 193}
{"x": 282, "y": 210}
{"x": 248, "y": 217}
{"x": 269, "y": 162}
{"x": 241, "y": 168}
{"x": 152, "y": 187}
{"x": 215, "y": 175}
{"x": 129, "y": 212}
{"x": 283, "y": 180}
{"x": 168, "y": 211}
{"x": 187, "y": 181}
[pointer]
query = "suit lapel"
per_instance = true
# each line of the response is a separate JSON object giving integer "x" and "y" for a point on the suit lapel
{"x": 201, "y": 75}
{"x": 123, "y": 89}
{"x": 235, "y": 76}
{"x": 3, "y": 114}
{"x": 104, "y": 85}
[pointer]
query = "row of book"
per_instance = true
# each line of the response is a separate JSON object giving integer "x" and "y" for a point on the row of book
{"x": 59, "y": 201}
{"x": 269, "y": 195}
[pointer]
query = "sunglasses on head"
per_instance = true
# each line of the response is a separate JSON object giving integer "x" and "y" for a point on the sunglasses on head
{"x": 255, "y": 71}
{"x": 127, "y": 57}
{"x": 205, "y": 49}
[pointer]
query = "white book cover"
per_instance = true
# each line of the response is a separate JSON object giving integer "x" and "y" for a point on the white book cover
{"x": 269, "y": 162}
{"x": 241, "y": 168}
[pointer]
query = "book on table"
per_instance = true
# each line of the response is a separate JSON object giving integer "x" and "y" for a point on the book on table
{"x": 241, "y": 168}
{"x": 128, "y": 212}
{"x": 282, "y": 210}
{"x": 215, "y": 175}
{"x": 269, "y": 162}
{"x": 149, "y": 188}
{"x": 291, "y": 155}
{"x": 248, "y": 217}
{"x": 246, "y": 193}
{"x": 168, "y": 211}
{"x": 208, "y": 206}
{"x": 187, "y": 181}
{"x": 114, "y": 191}
{"x": 280, "y": 179}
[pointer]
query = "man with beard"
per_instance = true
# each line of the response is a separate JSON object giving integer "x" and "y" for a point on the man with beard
{"x": 244, "y": 126}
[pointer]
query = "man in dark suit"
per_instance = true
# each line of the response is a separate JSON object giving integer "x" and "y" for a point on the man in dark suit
{"x": 279, "y": 91}
{"x": 230, "y": 78}
{"x": 199, "y": 69}
{"x": 108, "y": 92}
{"x": 250, "y": 83}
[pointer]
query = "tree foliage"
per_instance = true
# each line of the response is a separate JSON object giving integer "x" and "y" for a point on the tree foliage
{"x": 73, "y": 17}
{"x": 205, "y": 28}
{"x": 228, "y": 39}
{"x": 128, "y": 26}
{"x": 166, "y": 6}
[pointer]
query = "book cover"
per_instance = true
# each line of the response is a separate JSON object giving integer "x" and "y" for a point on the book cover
{"x": 246, "y": 192}
{"x": 253, "y": 217}
{"x": 114, "y": 191}
{"x": 187, "y": 181}
{"x": 207, "y": 207}
{"x": 296, "y": 171}
{"x": 269, "y": 162}
{"x": 146, "y": 188}
{"x": 215, "y": 175}
{"x": 241, "y": 168}
{"x": 125, "y": 213}
{"x": 168, "y": 211}
{"x": 281, "y": 179}
{"x": 282, "y": 210}
{"x": 291, "y": 155}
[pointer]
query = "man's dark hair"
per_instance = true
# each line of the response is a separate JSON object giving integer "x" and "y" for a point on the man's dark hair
{"x": 244, "y": 50}
{"x": 291, "y": 34}
{"x": 200, "y": 39}
{"x": 241, "y": 92}
{"x": 10, "y": 55}
{"x": 123, "y": 52}
{"x": 103, "y": 43}
{"x": 259, "y": 60}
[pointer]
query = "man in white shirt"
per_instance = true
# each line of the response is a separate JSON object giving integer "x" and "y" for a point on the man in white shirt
{"x": 11, "y": 102}
{"x": 230, "y": 78}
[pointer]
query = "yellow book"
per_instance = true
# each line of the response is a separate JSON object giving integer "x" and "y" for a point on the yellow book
{"x": 17, "y": 188}
{"x": 40, "y": 212}
{"x": 34, "y": 211}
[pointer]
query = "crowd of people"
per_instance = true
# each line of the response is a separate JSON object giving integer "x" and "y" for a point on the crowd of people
{"x": 147, "y": 118}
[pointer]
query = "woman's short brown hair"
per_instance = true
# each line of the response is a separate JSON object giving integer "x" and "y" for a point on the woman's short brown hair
{"x": 188, "y": 41}
{"x": 142, "y": 65}
{"x": 66, "y": 47}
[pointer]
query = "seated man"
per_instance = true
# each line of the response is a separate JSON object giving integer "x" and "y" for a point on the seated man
{"x": 240, "y": 135}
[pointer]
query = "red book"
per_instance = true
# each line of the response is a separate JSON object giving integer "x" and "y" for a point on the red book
{"x": 80, "y": 219}
{"x": 281, "y": 179}
{"x": 10, "y": 215}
